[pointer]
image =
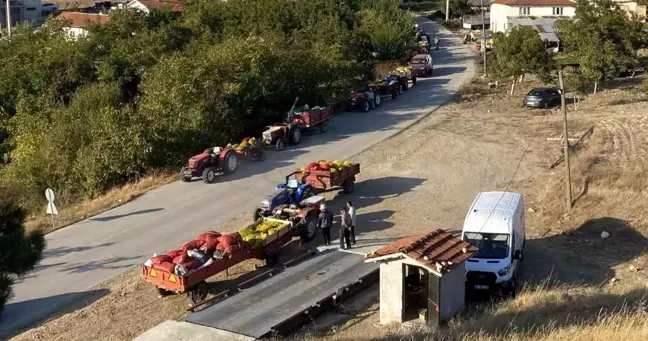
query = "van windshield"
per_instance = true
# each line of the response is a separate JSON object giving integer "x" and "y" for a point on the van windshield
{"x": 491, "y": 245}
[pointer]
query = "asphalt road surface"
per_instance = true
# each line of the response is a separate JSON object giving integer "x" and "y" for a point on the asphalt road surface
{"x": 85, "y": 254}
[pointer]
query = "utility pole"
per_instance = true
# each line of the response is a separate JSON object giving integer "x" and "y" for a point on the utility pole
{"x": 447, "y": 10}
{"x": 568, "y": 191}
{"x": 8, "y": 18}
{"x": 483, "y": 37}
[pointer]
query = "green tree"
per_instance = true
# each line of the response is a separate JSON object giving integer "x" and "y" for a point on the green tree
{"x": 388, "y": 29}
{"x": 521, "y": 52}
{"x": 602, "y": 38}
{"x": 458, "y": 8}
{"x": 19, "y": 251}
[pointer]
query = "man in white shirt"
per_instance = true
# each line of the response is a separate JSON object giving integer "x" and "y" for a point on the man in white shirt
{"x": 352, "y": 213}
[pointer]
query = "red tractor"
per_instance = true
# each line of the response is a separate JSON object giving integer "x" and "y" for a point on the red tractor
{"x": 220, "y": 160}
{"x": 297, "y": 121}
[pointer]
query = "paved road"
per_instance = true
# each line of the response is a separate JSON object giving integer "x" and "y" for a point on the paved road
{"x": 85, "y": 254}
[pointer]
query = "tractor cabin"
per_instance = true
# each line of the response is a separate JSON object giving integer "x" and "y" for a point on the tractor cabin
{"x": 422, "y": 277}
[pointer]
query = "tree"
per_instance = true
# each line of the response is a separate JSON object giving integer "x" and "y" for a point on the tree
{"x": 602, "y": 38}
{"x": 19, "y": 251}
{"x": 519, "y": 52}
{"x": 458, "y": 8}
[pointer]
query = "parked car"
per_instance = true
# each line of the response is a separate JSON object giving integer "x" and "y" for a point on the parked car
{"x": 422, "y": 65}
{"x": 495, "y": 224}
{"x": 542, "y": 98}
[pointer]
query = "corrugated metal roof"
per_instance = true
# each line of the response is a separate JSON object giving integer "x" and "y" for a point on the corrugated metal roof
{"x": 544, "y": 26}
{"x": 438, "y": 251}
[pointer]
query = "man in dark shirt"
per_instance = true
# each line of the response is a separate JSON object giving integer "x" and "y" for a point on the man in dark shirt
{"x": 324, "y": 222}
{"x": 345, "y": 229}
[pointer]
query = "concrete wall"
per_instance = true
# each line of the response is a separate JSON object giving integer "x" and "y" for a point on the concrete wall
{"x": 391, "y": 292}
{"x": 75, "y": 32}
{"x": 499, "y": 14}
{"x": 453, "y": 292}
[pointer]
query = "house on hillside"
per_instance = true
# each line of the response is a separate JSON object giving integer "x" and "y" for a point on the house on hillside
{"x": 502, "y": 11}
{"x": 147, "y": 5}
{"x": 77, "y": 23}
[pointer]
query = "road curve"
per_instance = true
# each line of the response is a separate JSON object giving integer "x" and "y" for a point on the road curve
{"x": 85, "y": 254}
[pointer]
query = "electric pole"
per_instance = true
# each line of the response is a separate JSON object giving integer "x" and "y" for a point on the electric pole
{"x": 447, "y": 10}
{"x": 8, "y": 18}
{"x": 483, "y": 37}
{"x": 568, "y": 191}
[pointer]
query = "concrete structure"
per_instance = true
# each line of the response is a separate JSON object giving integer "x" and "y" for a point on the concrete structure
{"x": 21, "y": 10}
{"x": 147, "y": 5}
{"x": 544, "y": 26}
{"x": 422, "y": 276}
{"x": 77, "y": 23}
{"x": 174, "y": 331}
{"x": 503, "y": 10}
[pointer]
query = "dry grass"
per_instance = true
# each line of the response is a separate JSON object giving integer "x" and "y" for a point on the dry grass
{"x": 73, "y": 213}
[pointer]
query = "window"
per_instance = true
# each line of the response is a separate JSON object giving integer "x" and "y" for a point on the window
{"x": 491, "y": 245}
{"x": 525, "y": 10}
{"x": 31, "y": 8}
{"x": 557, "y": 11}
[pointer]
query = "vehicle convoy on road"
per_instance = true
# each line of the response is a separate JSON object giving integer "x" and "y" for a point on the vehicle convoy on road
{"x": 221, "y": 160}
{"x": 186, "y": 269}
{"x": 297, "y": 121}
{"x": 302, "y": 185}
{"x": 495, "y": 224}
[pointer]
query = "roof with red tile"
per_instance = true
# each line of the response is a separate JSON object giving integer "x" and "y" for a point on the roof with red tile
{"x": 535, "y": 2}
{"x": 83, "y": 20}
{"x": 428, "y": 249}
{"x": 173, "y": 5}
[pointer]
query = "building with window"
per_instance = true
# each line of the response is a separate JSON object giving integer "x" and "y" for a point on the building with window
{"x": 503, "y": 10}
{"x": 77, "y": 23}
{"x": 21, "y": 11}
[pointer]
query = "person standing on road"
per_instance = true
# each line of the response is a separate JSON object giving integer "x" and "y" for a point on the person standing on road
{"x": 324, "y": 223}
{"x": 437, "y": 41}
{"x": 345, "y": 229}
{"x": 352, "y": 213}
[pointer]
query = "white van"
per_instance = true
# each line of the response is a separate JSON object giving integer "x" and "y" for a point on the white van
{"x": 495, "y": 224}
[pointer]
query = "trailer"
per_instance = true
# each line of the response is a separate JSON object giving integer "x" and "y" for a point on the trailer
{"x": 194, "y": 283}
{"x": 324, "y": 180}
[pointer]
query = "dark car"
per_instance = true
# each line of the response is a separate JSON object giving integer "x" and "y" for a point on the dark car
{"x": 542, "y": 98}
{"x": 422, "y": 65}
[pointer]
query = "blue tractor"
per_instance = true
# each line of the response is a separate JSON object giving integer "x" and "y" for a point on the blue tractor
{"x": 290, "y": 194}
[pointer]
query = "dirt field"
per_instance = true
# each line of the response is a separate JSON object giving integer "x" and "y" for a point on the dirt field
{"x": 426, "y": 177}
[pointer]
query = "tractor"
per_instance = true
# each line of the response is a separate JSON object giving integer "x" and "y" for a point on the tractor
{"x": 290, "y": 194}
{"x": 206, "y": 165}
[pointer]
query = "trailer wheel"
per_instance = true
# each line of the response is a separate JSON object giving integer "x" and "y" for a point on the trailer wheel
{"x": 280, "y": 145}
{"x": 309, "y": 231}
{"x": 347, "y": 186}
{"x": 405, "y": 84}
{"x": 323, "y": 127}
{"x": 295, "y": 135}
{"x": 163, "y": 292}
{"x": 183, "y": 177}
{"x": 230, "y": 163}
{"x": 198, "y": 293}
{"x": 377, "y": 100}
{"x": 208, "y": 175}
{"x": 272, "y": 259}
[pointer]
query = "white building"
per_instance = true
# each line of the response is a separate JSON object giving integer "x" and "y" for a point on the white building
{"x": 503, "y": 10}
{"x": 21, "y": 10}
{"x": 77, "y": 23}
{"x": 147, "y": 5}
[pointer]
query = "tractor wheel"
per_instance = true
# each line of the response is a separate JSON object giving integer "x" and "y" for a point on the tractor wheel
{"x": 280, "y": 145}
{"x": 377, "y": 100}
{"x": 183, "y": 177}
{"x": 323, "y": 127}
{"x": 309, "y": 231}
{"x": 414, "y": 80}
{"x": 257, "y": 214}
{"x": 198, "y": 293}
{"x": 208, "y": 175}
{"x": 230, "y": 163}
{"x": 365, "y": 106}
{"x": 163, "y": 292}
{"x": 347, "y": 186}
{"x": 405, "y": 85}
{"x": 295, "y": 135}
